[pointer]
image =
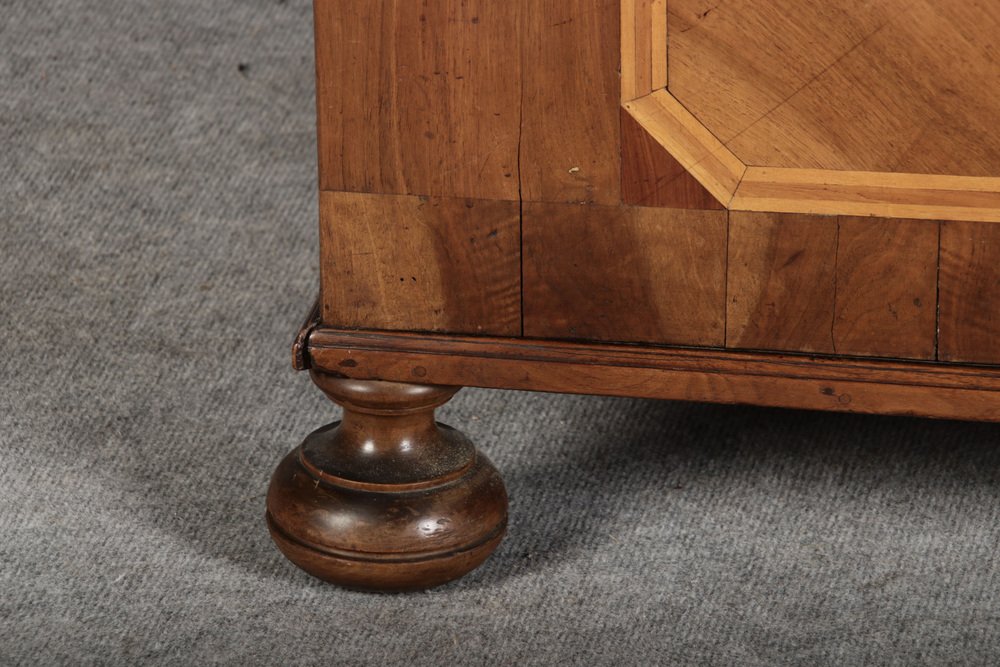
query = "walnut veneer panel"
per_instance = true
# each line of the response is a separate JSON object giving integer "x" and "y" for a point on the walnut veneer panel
{"x": 427, "y": 98}
{"x": 856, "y": 286}
{"x": 624, "y": 274}
{"x": 420, "y": 263}
{"x": 419, "y": 97}
{"x": 886, "y": 303}
{"x": 781, "y": 276}
{"x": 570, "y": 140}
{"x": 867, "y": 85}
{"x": 970, "y": 292}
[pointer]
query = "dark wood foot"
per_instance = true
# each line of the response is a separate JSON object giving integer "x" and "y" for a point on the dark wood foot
{"x": 387, "y": 499}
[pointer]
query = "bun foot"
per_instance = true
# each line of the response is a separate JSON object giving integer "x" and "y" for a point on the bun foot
{"x": 387, "y": 499}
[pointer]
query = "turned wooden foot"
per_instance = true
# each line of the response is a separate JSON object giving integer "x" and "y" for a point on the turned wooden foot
{"x": 386, "y": 499}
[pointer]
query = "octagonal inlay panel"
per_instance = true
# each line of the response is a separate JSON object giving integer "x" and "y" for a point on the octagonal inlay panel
{"x": 860, "y": 85}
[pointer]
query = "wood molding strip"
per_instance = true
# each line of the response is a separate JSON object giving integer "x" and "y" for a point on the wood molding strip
{"x": 845, "y": 385}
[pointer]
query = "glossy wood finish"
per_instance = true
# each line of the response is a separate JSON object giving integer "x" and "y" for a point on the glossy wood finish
{"x": 420, "y": 263}
{"x": 742, "y": 187}
{"x": 386, "y": 499}
{"x": 843, "y": 108}
{"x": 570, "y": 131}
{"x": 821, "y": 192}
{"x": 624, "y": 274}
{"x": 815, "y": 383}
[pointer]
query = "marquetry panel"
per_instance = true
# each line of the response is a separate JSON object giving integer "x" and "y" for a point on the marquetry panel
{"x": 859, "y": 85}
{"x": 888, "y": 195}
{"x": 624, "y": 274}
{"x": 651, "y": 176}
{"x": 673, "y": 127}
{"x": 419, "y": 263}
{"x": 644, "y": 47}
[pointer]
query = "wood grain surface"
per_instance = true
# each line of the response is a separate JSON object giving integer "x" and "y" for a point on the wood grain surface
{"x": 651, "y": 176}
{"x": 644, "y": 47}
{"x": 886, "y": 288}
{"x": 687, "y": 140}
{"x": 420, "y": 263}
{"x": 624, "y": 274}
{"x": 851, "y": 286}
{"x": 419, "y": 98}
{"x": 782, "y": 272}
{"x": 883, "y": 85}
{"x": 463, "y": 113}
{"x": 386, "y": 499}
{"x": 970, "y": 292}
{"x": 887, "y": 195}
{"x": 570, "y": 132}
{"x": 843, "y": 385}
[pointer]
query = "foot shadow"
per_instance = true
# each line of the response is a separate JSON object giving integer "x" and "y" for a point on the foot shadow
{"x": 589, "y": 468}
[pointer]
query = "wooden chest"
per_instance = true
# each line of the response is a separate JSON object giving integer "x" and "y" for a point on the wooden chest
{"x": 777, "y": 203}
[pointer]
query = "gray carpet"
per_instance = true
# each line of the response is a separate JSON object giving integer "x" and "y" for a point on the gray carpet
{"x": 157, "y": 251}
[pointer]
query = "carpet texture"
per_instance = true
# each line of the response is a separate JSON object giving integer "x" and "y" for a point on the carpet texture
{"x": 158, "y": 248}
